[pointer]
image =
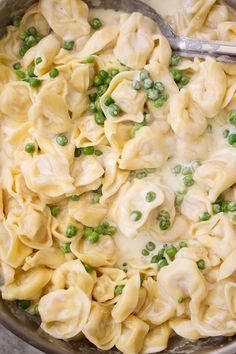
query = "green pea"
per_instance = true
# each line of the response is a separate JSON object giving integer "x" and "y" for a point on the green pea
{"x": 145, "y": 252}
{"x": 100, "y": 118}
{"x": 161, "y": 100}
{"x": 92, "y": 107}
{"x": 144, "y": 75}
{"x": 55, "y": 210}
{"x": 16, "y": 21}
{"x": 176, "y": 170}
{"x": 183, "y": 81}
{"x": 34, "y": 82}
{"x": 93, "y": 237}
{"x": 38, "y": 60}
{"x": 93, "y": 97}
{"x": 176, "y": 73}
{"x": 163, "y": 215}
{"x": 31, "y": 41}
{"x": 232, "y": 206}
{"x": 75, "y": 197}
{"x": 108, "y": 100}
{"x": 115, "y": 72}
{"x": 108, "y": 81}
{"x": 183, "y": 244}
{"x": 171, "y": 251}
{"x": 226, "y": 133}
{"x": 32, "y": 31}
{"x": 141, "y": 174}
{"x": 98, "y": 152}
{"x": 62, "y": 140}
{"x": 216, "y": 208}
{"x": 69, "y": 45}
{"x": 71, "y": 231}
{"x": 97, "y": 81}
{"x": 89, "y": 60}
{"x": 148, "y": 84}
{"x": 65, "y": 247}
{"x": 195, "y": 164}
{"x": 224, "y": 206}
{"x": 88, "y": 268}
{"x": 186, "y": 171}
{"x": 114, "y": 110}
{"x": 180, "y": 300}
{"x": 77, "y": 152}
{"x": 54, "y": 73}
{"x": 31, "y": 72}
{"x": 30, "y": 148}
{"x": 103, "y": 74}
{"x": 23, "y": 49}
{"x": 150, "y": 246}
{"x": 136, "y": 85}
{"x": 23, "y": 35}
{"x": 17, "y": 66}
{"x": 98, "y": 105}
{"x": 150, "y": 197}
{"x": 136, "y": 215}
{"x": 165, "y": 224}
{"x": 156, "y": 258}
{"x": 162, "y": 263}
{"x": 23, "y": 304}
{"x": 108, "y": 230}
{"x": 204, "y": 216}
{"x": 232, "y": 139}
{"x": 152, "y": 94}
{"x": 89, "y": 150}
{"x": 188, "y": 180}
{"x": 183, "y": 190}
{"x": 138, "y": 126}
{"x": 20, "y": 74}
{"x": 118, "y": 290}
{"x": 96, "y": 23}
{"x": 232, "y": 117}
{"x": 159, "y": 87}
{"x": 175, "y": 59}
{"x": 36, "y": 310}
{"x": 201, "y": 264}
{"x": 96, "y": 198}
{"x": 179, "y": 198}
{"x": 101, "y": 90}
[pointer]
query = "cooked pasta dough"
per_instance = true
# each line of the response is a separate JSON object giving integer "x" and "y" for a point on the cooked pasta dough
{"x": 117, "y": 192}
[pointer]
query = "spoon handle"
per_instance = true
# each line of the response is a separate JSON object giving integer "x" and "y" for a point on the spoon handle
{"x": 192, "y": 47}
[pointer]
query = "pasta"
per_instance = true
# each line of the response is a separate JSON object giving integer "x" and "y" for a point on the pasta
{"x": 117, "y": 192}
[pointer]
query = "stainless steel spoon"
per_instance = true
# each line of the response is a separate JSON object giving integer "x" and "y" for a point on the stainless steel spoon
{"x": 185, "y": 46}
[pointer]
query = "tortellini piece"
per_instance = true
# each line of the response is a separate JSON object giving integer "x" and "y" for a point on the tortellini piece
{"x": 27, "y": 285}
{"x": 181, "y": 279}
{"x": 148, "y": 149}
{"x": 195, "y": 202}
{"x": 12, "y": 251}
{"x": 87, "y": 133}
{"x": 208, "y": 87}
{"x": 185, "y": 118}
{"x": 135, "y": 44}
{"x": 218, "y": 173}
{"x": 156, "y": 309}
{"x": 130, "y": 101}
{"x": 49, "y": 257}
{"x": 101, "y": 253}
{"x": 31, "y": 226}
{"x": 132, "y": 336}
{"x": 64, "y": 313}
{"x": 218, "y": 234}
{"x": 68, "y": 19}
{"x": 50, "y": 114}
{"x": 72, "y": 274}
{"x": 162, "y": 52}
{"x": 157, "y": 339}
{"x": 128, "y": 299}
{"x": 109, "y": 330}
{"x": 86, "y": 170}
{"x": 131, "y": 201}
{"x": 46, "y": 49}
{"x": 16, "y": 101}
{"x": 185, "y": 328}
{"x": 48, "y": 175}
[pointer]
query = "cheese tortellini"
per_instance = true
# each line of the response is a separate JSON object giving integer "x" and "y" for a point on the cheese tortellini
{"x": 118, "y": 178}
